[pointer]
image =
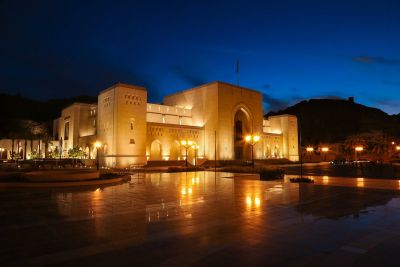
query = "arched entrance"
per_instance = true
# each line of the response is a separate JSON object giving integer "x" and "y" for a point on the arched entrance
{"x": 241, "y": 128}
{"x": 174, "y": 153}
{"x": 155, "y": 150}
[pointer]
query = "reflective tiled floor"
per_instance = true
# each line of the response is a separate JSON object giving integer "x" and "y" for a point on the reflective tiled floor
{"x": 199, "y": 219}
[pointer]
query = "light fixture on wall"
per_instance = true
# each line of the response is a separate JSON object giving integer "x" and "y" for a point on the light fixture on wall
{"x": 97, "y": 145}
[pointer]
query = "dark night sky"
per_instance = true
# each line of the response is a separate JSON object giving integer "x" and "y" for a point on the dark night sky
{"x": 289, "y": 50}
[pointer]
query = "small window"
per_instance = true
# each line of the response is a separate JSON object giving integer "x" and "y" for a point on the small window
{"x": 131, "y": 125}
{"x": 132, "y": 141}
{"x": 66, "y": 131}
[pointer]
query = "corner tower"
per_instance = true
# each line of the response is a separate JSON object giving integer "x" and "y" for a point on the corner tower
{"x": 122, "y": 125}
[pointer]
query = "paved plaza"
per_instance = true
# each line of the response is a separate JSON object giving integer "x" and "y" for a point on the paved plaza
{"x": 203, "y": 219}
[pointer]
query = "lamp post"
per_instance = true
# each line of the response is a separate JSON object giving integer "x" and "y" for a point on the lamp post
{"x": 97, "y": 145}
{"x": 196, "y": 148}
{"x": 1, "y": 152}
{"x": 309, "y": 150}
{"x": 357, "y": 149}
{"x": 325, "y": 150}
{"x": 252, "y": 140}
{"x": 186, "y": 144}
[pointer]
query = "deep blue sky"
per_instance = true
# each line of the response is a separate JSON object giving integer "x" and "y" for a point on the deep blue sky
{"x": 290, "y": 50}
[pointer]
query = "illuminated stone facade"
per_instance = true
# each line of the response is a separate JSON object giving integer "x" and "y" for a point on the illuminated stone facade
{"x": 214, "y": 116}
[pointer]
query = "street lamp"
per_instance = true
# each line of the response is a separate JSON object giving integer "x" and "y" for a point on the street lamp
{"x": 309, "y": 150}
{"x": 2, "y": 149}
{"x": 196, "y": 148}
{"x": 357, "y": 149}
{"x": 252, "y": 140}
{"x": 97, "y": 145}
{"x": 186, "y": 144}
{"x": 325, "y": 150}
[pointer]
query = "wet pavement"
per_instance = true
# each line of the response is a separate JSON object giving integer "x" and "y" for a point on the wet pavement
{"x": 201, "y": 219}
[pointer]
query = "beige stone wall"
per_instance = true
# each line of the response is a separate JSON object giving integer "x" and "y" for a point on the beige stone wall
{"x": 214, "y": 106}
{"x": 231, "y": 99}
{"x": 122, "y": 125}
{"x": 203, "y": 101}
{"x": 163, "y": 141}
{"x": 284, "y": 126}
{"x": 169, "y": 114}
{"x": 271, "y": 146}
{"x": 82, "y": 122}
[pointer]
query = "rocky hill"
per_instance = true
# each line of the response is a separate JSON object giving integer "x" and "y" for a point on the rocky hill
{"x": 332, "y": 120}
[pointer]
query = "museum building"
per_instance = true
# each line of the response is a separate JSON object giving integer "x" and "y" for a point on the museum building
{"x": 207, "y": 122}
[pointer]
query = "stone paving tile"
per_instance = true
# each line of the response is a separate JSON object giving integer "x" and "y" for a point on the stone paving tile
{"x": 197, "y": 219}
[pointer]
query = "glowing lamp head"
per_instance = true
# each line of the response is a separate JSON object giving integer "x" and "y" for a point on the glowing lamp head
{"x": 183, "y": 142}
{"x": 190, "y": 143}
{"x": 247, "y": 138}
{"x": 97, "y": 144}
{"x": 393, "y": 143}
{"x": 309, "y": 149}
{"x": 359, "y": 148}
{"x": 256, "y": 138}
{"x": 325, "y": 149}
{"x": 398, "y": 148}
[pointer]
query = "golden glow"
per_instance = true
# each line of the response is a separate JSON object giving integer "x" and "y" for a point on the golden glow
{"x": 359, "y": 148}
{"x": 248, "y": 200}
{"x": 187, "y": 143}
{"x": 398, "y": 148}
{"x": 183, "y": 191}
{"x": 325, "y": 149}
{"x": 257, "y": 201}
{"x": 393, "y": 143}
{"x": 360, "y": 182}
{"x": 252, "y": 138}
{"x": 190, "y": 191}
{"x": 325, "y": 179}
{"x": 2, "y": 149}
{"x": 97, "y": 144}
{"x": 309, "y": 149}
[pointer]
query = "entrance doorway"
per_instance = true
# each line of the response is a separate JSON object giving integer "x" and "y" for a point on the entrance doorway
{"x": 241, "y": 128}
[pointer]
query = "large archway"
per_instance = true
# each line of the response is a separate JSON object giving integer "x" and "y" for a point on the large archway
{"x": 155, "y": 150}
{"x": 241, "y": 128}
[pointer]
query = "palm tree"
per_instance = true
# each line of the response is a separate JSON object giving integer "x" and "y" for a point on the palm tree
{"x": 352, "y": 142}
{"x": 379, "y": 143}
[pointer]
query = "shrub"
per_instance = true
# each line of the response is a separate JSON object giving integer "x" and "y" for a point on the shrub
{"x": 266, "y": 173}
{"x": 301, "y": 180}
{"x": 184, "y": 169}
